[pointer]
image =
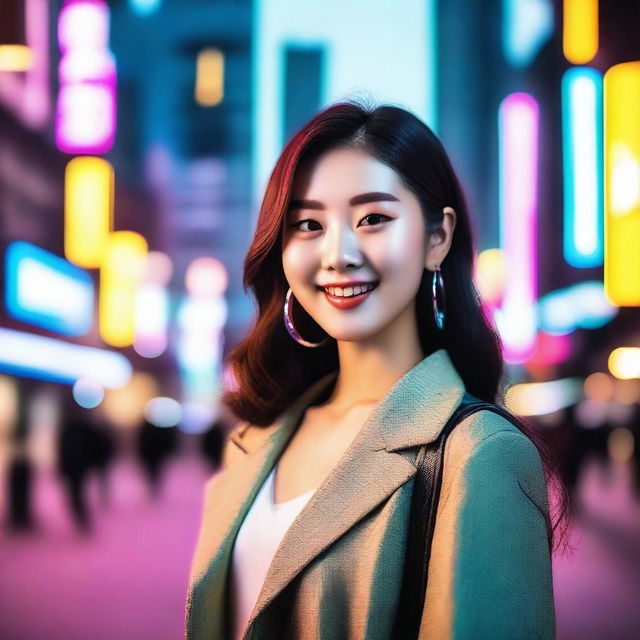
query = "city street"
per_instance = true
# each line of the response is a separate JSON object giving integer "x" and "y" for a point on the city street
{"x": 127, "y": 579}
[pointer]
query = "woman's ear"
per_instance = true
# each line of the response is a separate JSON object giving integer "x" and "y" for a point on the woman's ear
{"x": 440, "y": 240}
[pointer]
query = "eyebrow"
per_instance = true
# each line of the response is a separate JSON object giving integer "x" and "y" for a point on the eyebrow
{"x": 363, "y": 198}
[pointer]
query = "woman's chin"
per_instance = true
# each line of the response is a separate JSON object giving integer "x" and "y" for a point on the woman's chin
{"x": 351, "y": 335}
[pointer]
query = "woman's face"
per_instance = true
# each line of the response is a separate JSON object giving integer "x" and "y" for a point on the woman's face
{"x": 352, "y": 219}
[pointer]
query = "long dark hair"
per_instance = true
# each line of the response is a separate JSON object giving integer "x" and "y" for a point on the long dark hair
{"x": 270, "y": 369}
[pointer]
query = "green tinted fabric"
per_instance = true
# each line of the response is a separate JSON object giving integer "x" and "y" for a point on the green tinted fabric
{"x": 338, "y": 570}
{"x": 503, "y": 507}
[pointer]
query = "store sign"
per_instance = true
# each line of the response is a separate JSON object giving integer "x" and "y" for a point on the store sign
{"x": 45, "y": 290}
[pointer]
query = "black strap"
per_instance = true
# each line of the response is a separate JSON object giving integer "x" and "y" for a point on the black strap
{"x": 424, "y": 505}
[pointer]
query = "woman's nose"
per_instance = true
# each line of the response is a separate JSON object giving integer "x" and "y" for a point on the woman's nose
{"x": 341, "y": 248}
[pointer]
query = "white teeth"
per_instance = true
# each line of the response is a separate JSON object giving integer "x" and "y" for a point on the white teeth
{"x": 348, "y": 292}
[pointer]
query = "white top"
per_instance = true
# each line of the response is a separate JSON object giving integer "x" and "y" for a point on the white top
{"x": 258, "y": 538}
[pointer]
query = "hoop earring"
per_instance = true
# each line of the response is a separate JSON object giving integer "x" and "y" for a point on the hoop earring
{"x": 288, "y": 323}
{"x": 438, "y": 297}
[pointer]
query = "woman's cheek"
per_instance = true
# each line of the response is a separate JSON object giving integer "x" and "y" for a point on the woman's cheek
{"x": 296, "y": 261}
{"x": 406, "y": 251}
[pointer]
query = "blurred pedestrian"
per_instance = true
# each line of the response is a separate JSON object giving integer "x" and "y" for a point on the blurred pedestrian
{"x": 213, "y": 443}
{"x": 81, "y": 449}
{"x": 19, "y": 484}
{"x": 104, "y": 450}
{"x": 155, "y": 445}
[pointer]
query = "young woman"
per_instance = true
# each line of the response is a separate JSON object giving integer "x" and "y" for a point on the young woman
{"x": 351, "y": 367}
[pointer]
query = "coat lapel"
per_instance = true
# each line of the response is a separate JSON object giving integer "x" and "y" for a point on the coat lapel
{"x": 410, "y": 414}
{"x": 228, "y": 498}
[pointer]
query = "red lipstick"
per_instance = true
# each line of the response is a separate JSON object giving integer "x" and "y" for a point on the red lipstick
{"x": 340, "y": 302}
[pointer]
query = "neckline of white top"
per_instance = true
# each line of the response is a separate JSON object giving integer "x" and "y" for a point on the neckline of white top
{"x": 271, "y": 492}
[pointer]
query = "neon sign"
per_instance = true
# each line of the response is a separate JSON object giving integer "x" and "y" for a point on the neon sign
{"x": 86, "y": 109}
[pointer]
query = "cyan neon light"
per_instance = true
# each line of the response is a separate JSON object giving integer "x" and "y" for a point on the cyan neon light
{"x": 35, "y": 356}
{"x": 526, "y": 26}
{"x": 518, "y": 197}
{"x": 583, "y": 167}
{"x": 45, "y": 290}
{"x": 144, "y": 7}
{"x": 199, "y": 349}
{"x": 581, "y": 306}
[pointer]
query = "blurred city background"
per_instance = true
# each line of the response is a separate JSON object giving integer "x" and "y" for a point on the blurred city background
{"x": 136, "y": 137}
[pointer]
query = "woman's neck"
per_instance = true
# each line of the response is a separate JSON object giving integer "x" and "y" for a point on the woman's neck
{"x": 365, "y": 375}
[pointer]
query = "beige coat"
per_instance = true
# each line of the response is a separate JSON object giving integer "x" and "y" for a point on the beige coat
{"x": 338, "y": 569}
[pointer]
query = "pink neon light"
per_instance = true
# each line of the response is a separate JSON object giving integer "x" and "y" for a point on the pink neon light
{"x": 551, "y": 349}
{"x": 83, "y": 24}
{"x": 86, "y": 109}
{"x": 519, "y": 124}
{"x": 27, "y": 94}
{"x": 37, "y": 106}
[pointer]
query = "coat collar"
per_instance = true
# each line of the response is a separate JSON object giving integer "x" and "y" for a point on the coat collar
{"x": 424, "y": 396}
{"x": 411, "y": 413}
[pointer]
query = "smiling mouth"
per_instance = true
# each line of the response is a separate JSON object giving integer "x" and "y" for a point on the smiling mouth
{"x": 357, "y": 295}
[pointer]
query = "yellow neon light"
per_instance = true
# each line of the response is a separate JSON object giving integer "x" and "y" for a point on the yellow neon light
{"x": 88, "y": 210}
{"x": 622, "y": 184}
{"x": 491, "y": 275}
{"x": 209, "y": 77}
{"x": 580, "y": 30}
{"x": 624, "y": 362}
{"x": 15, "y": 57}
{"x": 121, "y": 273}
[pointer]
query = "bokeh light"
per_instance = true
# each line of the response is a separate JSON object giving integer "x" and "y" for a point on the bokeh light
{"x": 125, "y": 406}
{"x": 537, "y": 398}
{"x": 599, "y": 386}
{"x": 159, "y": 268}
{"x": 206, "y": 277}
{"x": 15, "y": 57}
{"x": 88, "y": 393}
{"x": 491, "y": 275}
{"x": 624, "y": 362}
{"x": 620, "y": 444}
{"x": 122, "y": 270}
{"x": 163, "y": 412}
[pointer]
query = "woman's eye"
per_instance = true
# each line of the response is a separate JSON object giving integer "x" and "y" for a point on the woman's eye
{"x": 376, "y": 215}
{"x": 296, "y": 225}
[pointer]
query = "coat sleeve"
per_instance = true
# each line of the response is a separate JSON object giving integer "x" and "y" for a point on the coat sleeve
{"x": 490, "y": 569}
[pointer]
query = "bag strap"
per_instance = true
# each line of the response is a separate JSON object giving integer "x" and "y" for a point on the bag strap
{"x": 424, "y": 505}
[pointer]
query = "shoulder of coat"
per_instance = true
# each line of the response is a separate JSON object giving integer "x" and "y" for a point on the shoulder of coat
{"x": 484, "y": 423}
{"x": 474, "y": 429}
